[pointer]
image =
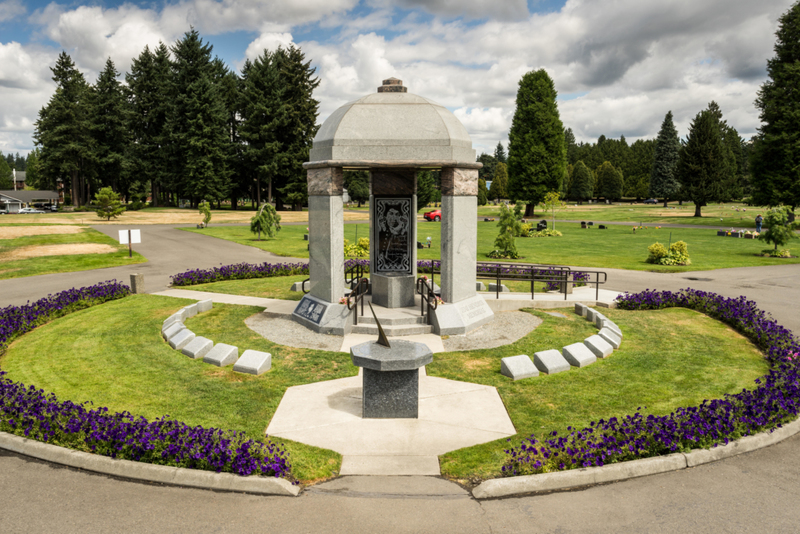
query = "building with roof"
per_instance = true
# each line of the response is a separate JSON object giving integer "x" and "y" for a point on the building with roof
{"x": 13, "y": 201}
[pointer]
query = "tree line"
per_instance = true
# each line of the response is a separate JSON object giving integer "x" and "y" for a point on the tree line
{"x": 183, "y": 126}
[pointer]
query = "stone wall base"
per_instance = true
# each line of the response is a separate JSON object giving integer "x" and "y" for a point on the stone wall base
{"x": 323, "y": 317}
{"x": 393, "y": 291}
{"x": 461, "y": 317}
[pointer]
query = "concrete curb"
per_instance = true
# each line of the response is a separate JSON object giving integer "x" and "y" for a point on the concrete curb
{"x": 565, "y": 480}
{"x": 162, "y": 474}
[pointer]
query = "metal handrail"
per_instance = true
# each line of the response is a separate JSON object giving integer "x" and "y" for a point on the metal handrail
{"x": 427, "y": 296}
{"x": 558, "y": 274}
{"x": 359, "y": 295}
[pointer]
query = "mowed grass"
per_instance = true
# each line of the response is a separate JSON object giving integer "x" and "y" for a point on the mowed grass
{"x": 715, "y": 215}
{"x": 16, "y": 268}
{"x": 617, "y": 247}
{"x": 668, "y": 359}
{"x": 114, "y": 356}
{"x": 277, "y": 287}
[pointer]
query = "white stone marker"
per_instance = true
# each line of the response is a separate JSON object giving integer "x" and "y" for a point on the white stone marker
{"x": 253, "y": 362}
{"x": 591, "y": 313}
{"x": 171, "y": 330}
{"x": 599, "y": 318}
{"x": 171, "y": 320}
{"x": 480, "y": 286}
{"x": 503, "y": 288}
{"x": 611, "y": 337}
{"x": 189, "y": 311}
{"x": 599, "y": 346}
{"x": 611, "y": 325}
{"x": 579, "y": 355}
{"x": 221, "y": 355}
{"x": 205, "y": 305}
{"x": 580, "y": 309}
{"x": 518, "y": 367}
{"x": 550, "y": 362}
{"x": 181, "y": 339}
{"x": 198, "y": 347}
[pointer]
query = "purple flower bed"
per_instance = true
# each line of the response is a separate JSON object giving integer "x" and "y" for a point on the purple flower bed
{"x": 29, "y": 412}
{"x": 774, "y": 400}
{"x": 238, "y": 271}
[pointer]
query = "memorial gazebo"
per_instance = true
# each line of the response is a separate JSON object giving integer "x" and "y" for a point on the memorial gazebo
{"x": 392, "y": 134}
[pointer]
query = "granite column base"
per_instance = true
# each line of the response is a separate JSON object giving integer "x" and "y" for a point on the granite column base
{"x": 390, "y": 394}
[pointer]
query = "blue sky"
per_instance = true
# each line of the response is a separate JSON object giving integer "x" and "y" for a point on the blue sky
{"x": 618, "y": 65}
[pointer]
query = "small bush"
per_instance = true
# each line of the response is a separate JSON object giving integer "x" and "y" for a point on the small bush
{"x": 546, "y": 233}
{"x": 678, "y": 254}
{"x": 772, "y": 253}
{"x": 657, "y": 251}
{"x": 503, "y": 254}
{"x": 525, "y": 230}
{"x": 359, "y": 250}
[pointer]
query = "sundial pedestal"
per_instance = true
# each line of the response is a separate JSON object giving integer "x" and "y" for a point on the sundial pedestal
{"x": 390, "y": 381}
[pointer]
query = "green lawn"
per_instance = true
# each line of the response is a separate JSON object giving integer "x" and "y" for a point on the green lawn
{"x": 716, "y": 215}
{"x": 16, "y": 268}
{"x": 276, "y": 287}
{"x": 114, "y": 356}
{"x": 617, "y": 247}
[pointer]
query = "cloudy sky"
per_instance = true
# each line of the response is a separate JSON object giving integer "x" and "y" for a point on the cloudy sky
{"x": 618, "y": 65}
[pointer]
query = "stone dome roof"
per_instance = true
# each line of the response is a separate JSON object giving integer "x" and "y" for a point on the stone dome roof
{"x": 392, "y": 125}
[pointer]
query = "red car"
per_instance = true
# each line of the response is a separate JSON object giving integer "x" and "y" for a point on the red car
{"x": 435, "y": 215}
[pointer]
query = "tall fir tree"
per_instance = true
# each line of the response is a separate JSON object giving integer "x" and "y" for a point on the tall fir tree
{"x": 500, "y": 153}
{"x": 609, "y": 181}
{"x": 357, "y": 185}
{"x": 6, "y": 175}
{"x": 571, "y": 146}
{"x": 775, "y": 157}
{"x": 62, "y": 132}
{"x": 499, "y": 188}
{"x": 637, "y": 179}
{"x": 261, "y": 118}
{"x": 486, "y": 172}
{"x": 198, "y": 123}
{"x": 150, "y": 96}
{"x": 32, "y": 174}
{"x": 537, "y": 156}
{"x": 581, "y": 188}
{"x": 298, "y": 125}
{"x": 109, "y": 125}
{"x": 702, "y": 164}
{"x": 426, "y": 189}
{"x": 664, "y": 182}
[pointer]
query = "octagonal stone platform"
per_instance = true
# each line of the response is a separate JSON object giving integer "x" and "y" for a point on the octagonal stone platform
{"x": 452, "y": 415}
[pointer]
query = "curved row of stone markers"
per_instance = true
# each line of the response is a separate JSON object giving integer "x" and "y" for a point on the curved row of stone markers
{"x": 552, "y": 361}
{"x": 174, "y": 332}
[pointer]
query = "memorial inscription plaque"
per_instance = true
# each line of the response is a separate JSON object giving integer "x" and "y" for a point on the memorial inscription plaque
{"x": 313, "y": 311}
{"x": 393, "y": 226}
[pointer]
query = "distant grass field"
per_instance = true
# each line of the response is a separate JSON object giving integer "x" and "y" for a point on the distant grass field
{"x": 113, "y": 355}
{"x": 17, "y": 268}
{"x": 617, "y": 247}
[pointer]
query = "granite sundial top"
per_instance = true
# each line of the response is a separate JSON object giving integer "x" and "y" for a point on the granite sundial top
{"x": 402, "y": 356}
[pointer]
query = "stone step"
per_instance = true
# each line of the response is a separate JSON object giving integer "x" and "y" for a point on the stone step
{"x": 367, "y": 318}
{"x": 392, "y": 330}
{"x": 390, "y": 465}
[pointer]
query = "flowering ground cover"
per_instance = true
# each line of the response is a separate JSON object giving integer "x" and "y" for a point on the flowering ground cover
{"x": 113, "y": 356}
{"x": 772, "y": 400}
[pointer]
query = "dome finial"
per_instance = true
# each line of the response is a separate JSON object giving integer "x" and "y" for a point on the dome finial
{"x": 392, "y": 85}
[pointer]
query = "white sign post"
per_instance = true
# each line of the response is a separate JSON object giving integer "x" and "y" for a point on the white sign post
{"x": 128, "y": 237}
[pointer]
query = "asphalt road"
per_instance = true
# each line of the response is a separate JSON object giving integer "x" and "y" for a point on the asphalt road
{"x": 755, "y": 492}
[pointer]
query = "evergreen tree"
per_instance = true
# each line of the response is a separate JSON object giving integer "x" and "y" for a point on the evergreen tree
{"x": 62, "y": 132}
{"x": 20, "y": 163}
{"x": 582, "y": 188}
{"x": 357, "y": 185}
{"x": 487, "y": 171}
{"x": 150, "y": 90}
{"x": 500, "y": 153}
{"x": 108, "y": 204}
{"x": 537, "y": 155}
{"x": 637, "y": 178}
{"x": 229, "y": 86}
{"x": 664, "y": 182}
{"x": 32, "y": 174}
{"x": 6, "y": 175}
{"x": 197, "y": 123}
{"x": 499, "y": 187}
{"x": 298, "y": 125}
{"x": 571, "y": 146}
{"x": 261, "y": 119}
{"x": 483, "y": 193}
{"x": 426, "y": 189}
{"x": 266, "y": 221}
{"x": 775, "y": 158}
{"x": 609, "y": 181}
{"x": 109, "y": 126}
{"x": 702, "y": 161}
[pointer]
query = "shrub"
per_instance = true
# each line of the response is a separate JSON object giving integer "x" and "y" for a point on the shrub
{"x": 546, "y": 233}
{"x": 525, "y": 230}
{"x": 774, "y": 253}
{"x": 774, "y": 400}
{"x": 359, "y": 250}
{"x": 779, "y": 230}
{"x": 678, "y": 254}
{"x": 205, "y": 211}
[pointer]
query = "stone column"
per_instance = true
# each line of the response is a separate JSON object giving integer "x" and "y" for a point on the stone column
{"x": 463, "y": 309}
{"x": 459, "y": 233}
{"x": 326, "y": 233}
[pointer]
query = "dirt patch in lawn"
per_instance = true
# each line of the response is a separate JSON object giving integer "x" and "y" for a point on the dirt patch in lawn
{"x": 11, "y": 232}
{"x": 22, "y": 253}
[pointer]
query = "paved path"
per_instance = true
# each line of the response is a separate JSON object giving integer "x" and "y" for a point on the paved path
{"x": 755, "y": 492}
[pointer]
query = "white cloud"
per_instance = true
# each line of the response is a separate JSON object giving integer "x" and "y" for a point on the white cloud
{"x": 11, "y": 9}
{"x": 267, "y": 41}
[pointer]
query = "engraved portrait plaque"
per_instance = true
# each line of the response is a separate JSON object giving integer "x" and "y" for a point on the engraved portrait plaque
{"x": 393, "y": 226}
{"x": 311, "y": 310}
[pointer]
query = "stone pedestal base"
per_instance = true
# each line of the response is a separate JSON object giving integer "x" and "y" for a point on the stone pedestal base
{"x": 393, "y": 290}
{"x": 322, "y": 316}
{"x": 461, "y": 317}
{"x": 390, "y": 394}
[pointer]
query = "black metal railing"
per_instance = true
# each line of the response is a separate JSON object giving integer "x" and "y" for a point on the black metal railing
{"x": 554, "y": 277}
{"x": 428, "y": 301}
{"x": 357, "y": 294}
